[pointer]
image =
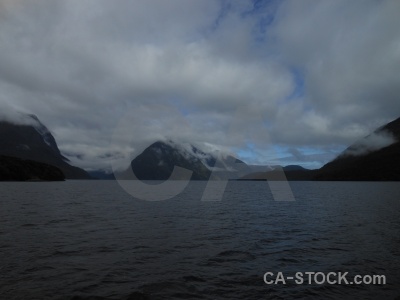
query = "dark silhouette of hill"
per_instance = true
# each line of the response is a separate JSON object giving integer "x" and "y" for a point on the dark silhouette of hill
{"x": 371, "y": 165}
{"x": 157, "y": 162}
{"x": 376, "y": 157}
{"x": 102, "y": 175}
{"x": 16, "y": 169}
{"x": 33, "y": 141}
{"x": 292, "y": 172}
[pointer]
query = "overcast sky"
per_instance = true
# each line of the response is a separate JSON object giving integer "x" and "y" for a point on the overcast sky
{"x": 289, "y": 82}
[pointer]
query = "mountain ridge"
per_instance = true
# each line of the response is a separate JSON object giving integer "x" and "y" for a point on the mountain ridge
{"x": 354, "y": 164}
{"x": 33, "y": 141}
{"x": 381, "y": 164}
{"x": 158, "y": 160}
{"x": 374, "y": 157}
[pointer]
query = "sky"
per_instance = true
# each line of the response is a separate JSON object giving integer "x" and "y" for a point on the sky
{"x": 273, "y": 82}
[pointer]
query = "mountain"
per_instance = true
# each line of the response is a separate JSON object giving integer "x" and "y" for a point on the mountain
{"x": 376, "y": 157}
{"x": 157, "y": 162}
{"x": 101, "y": 174}
{"x": 17, "y": 169}
{"x": 33, "y": 141}
{"x": 292, "y": 172}
{"x": 294, "y": 168}
{"x": 223, "y": 166}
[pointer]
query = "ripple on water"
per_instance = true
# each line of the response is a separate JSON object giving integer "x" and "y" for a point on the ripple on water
{"x": 99, "y": 243}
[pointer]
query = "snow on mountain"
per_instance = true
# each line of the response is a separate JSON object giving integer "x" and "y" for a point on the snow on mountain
{"x": 24, "y": 136}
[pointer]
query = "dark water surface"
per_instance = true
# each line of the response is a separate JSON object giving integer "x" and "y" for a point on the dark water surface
{"x": 91, "y": 240}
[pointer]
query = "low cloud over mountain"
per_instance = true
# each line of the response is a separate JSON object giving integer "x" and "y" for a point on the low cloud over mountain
{"x": 249, "y": 76}
{"x": 370, "y": 143}
{"x": 27, "y": 138}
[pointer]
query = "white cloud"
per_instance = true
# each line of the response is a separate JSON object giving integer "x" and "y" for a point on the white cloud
{"x": 372, "y": 142}
{"x": 349, "y": 54}
{"x": 200, "y": 71}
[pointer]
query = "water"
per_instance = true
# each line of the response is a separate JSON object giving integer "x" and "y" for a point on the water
{"x": 91, "y": 240}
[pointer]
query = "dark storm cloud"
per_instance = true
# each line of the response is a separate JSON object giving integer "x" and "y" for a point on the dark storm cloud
{"x": 349, "y": 55}
{"x": 216, "y": 72}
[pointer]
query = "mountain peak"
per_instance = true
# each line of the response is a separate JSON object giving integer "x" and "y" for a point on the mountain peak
{"x": 375, "y": 157}
{"x": 380, "y": 138}
{"x": 28, "y": 138}
{"x": 392, "y": 127}
{"x": 158, "y": 160}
